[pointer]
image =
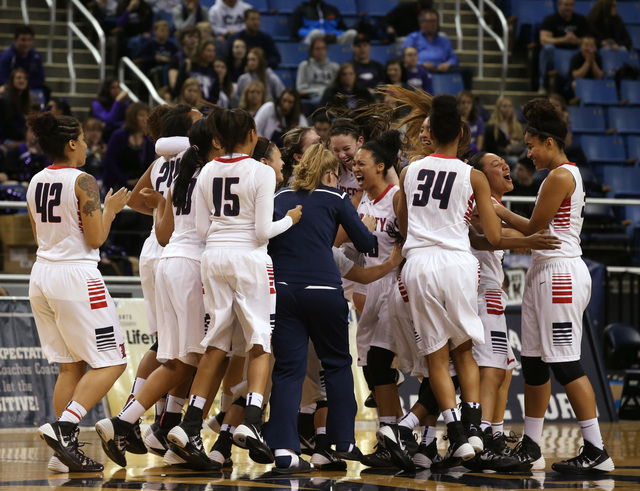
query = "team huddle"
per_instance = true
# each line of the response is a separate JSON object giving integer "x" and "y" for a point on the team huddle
{"x": 245, "y": 288}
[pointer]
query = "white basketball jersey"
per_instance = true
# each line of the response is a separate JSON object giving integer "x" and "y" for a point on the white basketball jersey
{"x": 162, "y": 174}
{"x": 229, "y": 187}
{"x": 347, "y": 182}
{"x": 567, "y": 223}
{"x": 491, "y": 272}
{"x": 184, "y": 241}
{"x": 382, "y": 209}
{"x": 439, "y": 203}
{"x": 55, "y": 209}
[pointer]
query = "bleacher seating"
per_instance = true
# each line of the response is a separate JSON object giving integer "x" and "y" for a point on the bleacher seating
{"x": 599, "y": 92}
{"x": 625, "y": 119}
{"x": 630, "y": 92}
{"x": 447, "y": 83}
{"x": 612, "y": 60}
{"x": 634, "y": 32}
{"x": 562, "y": 61}
{"x": 292, "y": 53}
{"x": 583, "y": 7}
{"x": 605, "y": 149}
{"x": 340, "y": 53}
{"x": 287, "y": 75}
{"x": 531, "y": 13}
{"x": 633, "y": 147}
{"x": 346, "y": 7}
{"x": 277, "y": 26}
{"x": 587, "y": 119}
{"x": 624, "y": 181}
{"x": 382, "y": 52}
{"x": 284, "y": 6}
{"x": 630, "y": 12}
{"x": 261, "y": 6}
{"x": 376, "y": 8}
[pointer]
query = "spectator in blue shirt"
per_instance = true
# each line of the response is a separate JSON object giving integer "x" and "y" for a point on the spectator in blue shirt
{"x": 315, "y": 18}
{"x": 21, "y": 54}
{"x": 435, "y": 51}
{"x": 255, "y": 38}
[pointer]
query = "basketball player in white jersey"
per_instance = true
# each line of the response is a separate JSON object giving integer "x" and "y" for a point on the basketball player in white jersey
{"x": 234, "y": 212}
{"x": 441, "y": 275}
{"x": 557, "y": 291}
{"x": 76, "y": 318}
{"x": 180, "y": 306}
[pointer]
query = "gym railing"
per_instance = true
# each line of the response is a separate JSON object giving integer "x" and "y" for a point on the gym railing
{"x": 126, "y": 62}
{"x": 98, "y": 54}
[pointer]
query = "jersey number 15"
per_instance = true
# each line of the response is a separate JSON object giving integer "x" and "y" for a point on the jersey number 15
{"x": 222, "y": 192}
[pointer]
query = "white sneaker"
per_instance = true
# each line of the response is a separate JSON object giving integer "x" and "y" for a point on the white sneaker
{"x": 55, "y": 465}
{"x": 172, "y": 458}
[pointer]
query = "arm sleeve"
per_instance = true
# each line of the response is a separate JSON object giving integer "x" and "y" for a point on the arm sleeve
{"x": 202, "y": 210}
{"x": 265, "y": 227}
{"x": 362, "y": 239}
{"x": 343, "y": 262}
{"x": 171, "y": 145}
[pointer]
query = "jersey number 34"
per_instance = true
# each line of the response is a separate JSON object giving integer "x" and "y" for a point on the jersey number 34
{"x": 441, "y": 191}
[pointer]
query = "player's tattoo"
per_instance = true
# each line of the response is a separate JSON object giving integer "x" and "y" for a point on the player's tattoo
{"x": 90, "y": 186}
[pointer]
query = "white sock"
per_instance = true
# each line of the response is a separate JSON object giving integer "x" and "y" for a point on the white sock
{"x": 428, "y": 435}
{"x": 387, "y": 420}
{"x": 281, "y": 455}
{"x": 73, "y": 413}
{"x": 137, "y": 385}
{"x": 484, "y": 425}
{"x": 254, "y": 399}
{"x": 132, "y": 411}
{"x": 591, "y": 432}
{"x": 227, "y": 427}
{"x": 409, "y": 420}
{"x": 225, "y": 402}
{"x": 451, "y": 415}
{"x": 174, "y": 404}
{"x": 197, "y": 401}
{"x": 533, "y": 428}
{"x": 159, "y": 406}
{"x": 321, "y": 430}
{"x": 497, "y": 428}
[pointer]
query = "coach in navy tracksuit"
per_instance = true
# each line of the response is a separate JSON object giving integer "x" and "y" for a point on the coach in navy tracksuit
{"x": 311, "y": 304}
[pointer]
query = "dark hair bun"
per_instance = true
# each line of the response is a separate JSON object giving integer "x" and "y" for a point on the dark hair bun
{"x": 540, "y": 110}
{"x": 390, "y": 141}
{"x": 43, "y": 124}
{"x": 444, "y": 102}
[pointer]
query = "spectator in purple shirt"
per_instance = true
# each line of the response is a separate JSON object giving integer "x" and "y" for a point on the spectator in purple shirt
{"x": 417, "y": 75}
{"x": 110, "y": 106}
{"x": 21, "y": 54}
{"x": 435, "y": 51}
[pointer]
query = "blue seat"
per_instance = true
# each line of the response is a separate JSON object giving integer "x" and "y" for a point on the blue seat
{"x": 624, "y": 181}
{"x": 207, "y": 3}
{"x": 447, "y": 83}
{"x": 340, "y": 53}
{"x": 382, "y": 52}
{"x": 287, "y": 75}
{"x": 634, "y": 32}
{"x": 292, "y": 53}
{"x": 606, "y": 149}
{"x": 261, "y": 6}
{"x": 600, "y": 92}
{"x": 584, "y": 7}
{"x": 587, "y": 119}
{"x": 562, "y": 61}
{"x": 346, "y": 7}
{"x": 351, "y": 21}
{"x": 633, "y": 147}
{"x": 277, "y": 26}
{"x": 630, "y": 92}
{"x": 284, "y": 6}
{"x": 630, "y": 12}
{"x": 377, "y": 8}
{"x": 531, "y": 13}
{"x": 612, "y": 60}
{"x": 625, "y": 119}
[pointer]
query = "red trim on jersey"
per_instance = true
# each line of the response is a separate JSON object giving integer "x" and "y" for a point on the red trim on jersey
{"x": 229, "y": 160}
{"x": 272, "y": 284}
{"x": 497, "y": 200}
{"x": 382, "y": 195}
{"x": 562, "y": 219}
{"x": 403, "y": 291}
{"x": 56, "y": 167}
{"x": 441, "y": 156}
{"x": 561, "y": 288}
{"x": 570, "y": 163}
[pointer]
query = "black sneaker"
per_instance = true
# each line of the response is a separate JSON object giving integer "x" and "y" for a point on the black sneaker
{"x": 370, "y": 401}
{"x": 459, "y": 448}
{"x": 353, "y": 453}
{"x": 590, "y": 460}
{"x": 215, "y": 422}
{"x": 498, "y": 444}
{"x": 394, "y": 439}
{"x": 427, "y": 455}
{"x": 155, "y": 439}
{"x": 221, "y": 450}
{"x": 488, "y": 460}
{"x": 188, "y": 445}
{"x": 471, "y": 418}
{"x": 381, "y": 458}
{"x": 249, "y": 435}
{"x": 303, "y": 466}
{"x": 134, "y": 440}
{"x": 528, "y": 452}
{"x": 62, "y": 437}
{"x": 113, "y": 433}
{"x": 307, "y": 444}
{"x": 325, "y": 460}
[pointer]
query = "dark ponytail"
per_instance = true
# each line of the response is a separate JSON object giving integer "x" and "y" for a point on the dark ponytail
{"x": 196, "y": 156}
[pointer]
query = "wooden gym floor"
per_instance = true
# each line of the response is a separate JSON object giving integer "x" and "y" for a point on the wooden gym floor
{"x": 24, "y": 457}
